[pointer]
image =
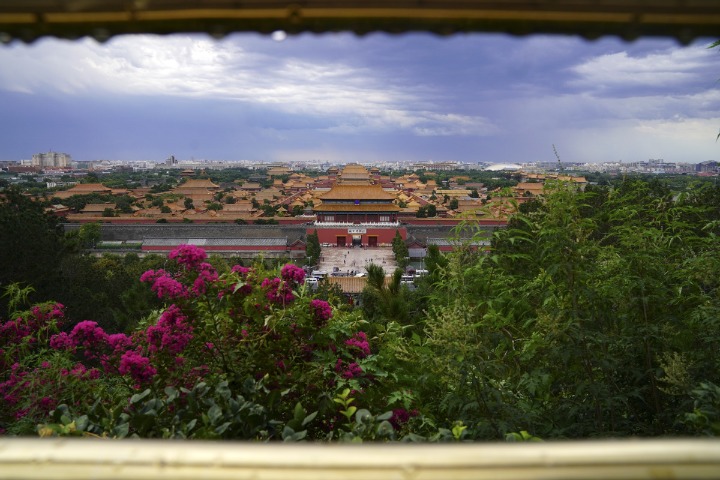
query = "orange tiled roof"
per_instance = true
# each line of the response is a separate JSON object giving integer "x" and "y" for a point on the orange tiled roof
{"x": 347, "y": 207}
{"x": 97, "y": 207}
{"x": 535, "y": 188}
{"x": 198, "y": 183}
{"x": 357, "y": 192}
{"x": 90, "y": 187}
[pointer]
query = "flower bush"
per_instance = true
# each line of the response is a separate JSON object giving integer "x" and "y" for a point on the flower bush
{"x": 243, "y": 327}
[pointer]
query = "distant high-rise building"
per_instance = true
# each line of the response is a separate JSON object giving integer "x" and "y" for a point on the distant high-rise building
{"x": 51, "y": 160}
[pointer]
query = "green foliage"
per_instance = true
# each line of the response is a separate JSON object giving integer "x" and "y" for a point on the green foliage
{"x": 17, "y": 297}
{"x": 521, "y": 436}
{"x": 203, "y": 412}
{"x": 705, "y": 417}
{"x": 384, "y": 301}
{"x": 400, "y": 250}
{"x": 312, "y": 248}
{"x": 89, "y": 234}
{"x": 31, "y": 245}
{"x": 584, "y": 320}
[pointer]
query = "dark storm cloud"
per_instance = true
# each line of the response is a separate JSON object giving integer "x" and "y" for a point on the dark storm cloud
{"x": 341, "y": 97}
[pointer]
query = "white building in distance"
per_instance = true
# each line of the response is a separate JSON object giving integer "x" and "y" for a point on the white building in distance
{"x": 51, "y": 159}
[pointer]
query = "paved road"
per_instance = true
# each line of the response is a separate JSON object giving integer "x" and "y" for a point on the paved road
{"x": 348, "y": 259}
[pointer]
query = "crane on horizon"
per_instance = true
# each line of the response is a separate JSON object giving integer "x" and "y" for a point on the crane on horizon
{"x": 557, "y": 155}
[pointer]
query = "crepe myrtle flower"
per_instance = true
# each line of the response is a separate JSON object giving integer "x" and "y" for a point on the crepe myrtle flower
{"x": 321, "y": 310}
{"x": 188, "y": 255}
{"x": 172, "y": 332}
{"x": 278, "y": 292}
{"x": 359, "y": 344}
{"x": 164, "y": 285}
{"x": 137, "y": 366}
{"x": 292, "y": 273}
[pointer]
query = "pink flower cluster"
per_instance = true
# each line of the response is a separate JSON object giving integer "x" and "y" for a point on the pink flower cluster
{"x": 278, "y": 292}
{"x": 8, "y": 388}
{"x": 292, "y": 273}
{"x": 80, "y": 371}
{"x": 86, "y": 334}
{"x": 359, "y": 344}
{"x": 206, "y": 274}
{"x": 351, "y": 370}
{"x": 172, "y": 332}
{"x": 116, "y": 350}
{"x": 188, "y": 255}
{"x": 321, "y": 311}
{"x": 401, "y": 416}
{"x": 164, "y": 285}
{"x": 20, "y": 329}
{"x": 137, "y": 366}
{"x": 242, "y": 271}
{"x": 119, "y": 342}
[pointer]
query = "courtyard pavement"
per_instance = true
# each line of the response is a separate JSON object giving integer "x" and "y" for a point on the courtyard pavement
{"x": 354, "y": 259}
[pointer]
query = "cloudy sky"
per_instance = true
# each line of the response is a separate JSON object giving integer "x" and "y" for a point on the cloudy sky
{"x": 340, "y": 98}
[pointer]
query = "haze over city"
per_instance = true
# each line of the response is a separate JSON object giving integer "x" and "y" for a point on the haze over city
{"x": 342, "y": 98}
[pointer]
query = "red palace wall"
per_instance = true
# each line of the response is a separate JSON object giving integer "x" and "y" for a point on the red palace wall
{"x": 384, "y": 235}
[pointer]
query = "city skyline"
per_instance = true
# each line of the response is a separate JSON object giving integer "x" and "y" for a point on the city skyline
{"x": 342, "y": 98}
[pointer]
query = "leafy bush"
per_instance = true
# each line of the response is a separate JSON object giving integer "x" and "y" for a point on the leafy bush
{"x": 247, "y": 330}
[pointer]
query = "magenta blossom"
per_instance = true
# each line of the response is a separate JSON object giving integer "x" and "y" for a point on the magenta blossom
{"x": 188, "y": 255}
{"x": 150, "y": 275}
{"x": 278, "y": 292}
{"x": 172, "y": 332}
{"x": 167, "y": 287}
{"x": 321, "y": 311}
{"x": 242, "y": 271}
{"x": 119, "y": 342}
{"x": 400, "y": 416}
{"x": 292, "y": 273}
{"x": 206, "y": 274}
{"x": 90, "y": 336}
{"x": 359, "y": 344}
{"x": 137, "y": 366}
{"x": 164, "y": 284}
{"x": 352, "y": 370}
{"x": 61, "y": 341}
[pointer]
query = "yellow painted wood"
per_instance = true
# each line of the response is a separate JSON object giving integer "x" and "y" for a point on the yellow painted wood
{"x": 142, "y": 459}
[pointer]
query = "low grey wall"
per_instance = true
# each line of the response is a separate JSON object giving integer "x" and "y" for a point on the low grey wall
{"x": 422, "y": 232}
{"x": 112, "y": 232}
